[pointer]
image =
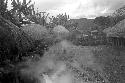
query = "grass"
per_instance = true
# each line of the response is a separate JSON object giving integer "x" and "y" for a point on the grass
{"x": 112, "y": 62}
{"x": 89, "y": 64}
{"x": 79, "y": 59}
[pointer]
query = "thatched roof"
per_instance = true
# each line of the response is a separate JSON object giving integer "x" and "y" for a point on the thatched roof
{"x": 12, "y": 36}
{"x": 35, "y": 31}
{"x": 61, "y": 32}
{"x": 60, "y": 29}
{"x": 117, "y": 31}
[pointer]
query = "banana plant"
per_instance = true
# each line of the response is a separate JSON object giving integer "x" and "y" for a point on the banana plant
{"x": 21, "y": 9}
{"x": 60, "y": 19}
{"x": 3, "y": 6}
{"x": 5, "y": 13}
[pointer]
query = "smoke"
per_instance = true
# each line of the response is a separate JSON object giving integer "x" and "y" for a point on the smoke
{"x": 62, "y": 64}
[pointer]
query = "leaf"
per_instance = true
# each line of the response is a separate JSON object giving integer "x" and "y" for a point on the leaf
{"x": 28, "y": 2}
{"x": 24, "y": 1}
{"x": 6, "y": 4}
{"x": 18, "y": 1}
{"x": 14, "y": 4}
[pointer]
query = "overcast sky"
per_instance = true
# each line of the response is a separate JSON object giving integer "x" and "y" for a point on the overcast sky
{"x": 79, "y": 8}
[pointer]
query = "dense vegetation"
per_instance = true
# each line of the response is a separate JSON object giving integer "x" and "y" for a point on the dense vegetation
{"x": 17, "y": 46}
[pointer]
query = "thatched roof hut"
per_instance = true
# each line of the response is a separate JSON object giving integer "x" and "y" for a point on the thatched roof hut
{"x": 35, "y": 31}
{"x": 60, "y": 31}
{"x": 117, "y": 31}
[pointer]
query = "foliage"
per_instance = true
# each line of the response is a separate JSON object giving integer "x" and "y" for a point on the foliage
{"x": 39, "y": 19}
{"x": 3, "y": 6}
{"x": 117, "y": 19}
{"x": 25, "y": 11}
{"x": 21, "y": 10}
{"x": 60, "y": 19}
{"x": 117, "y": 16}
{"x": 119, "y": 12}
{"x": 4, "y": 12}
{"x": 111, "y": 20}
{"x": 102, "y": 21}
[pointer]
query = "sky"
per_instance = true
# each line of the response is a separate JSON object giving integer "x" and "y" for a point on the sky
{"x": 79, "y": 8}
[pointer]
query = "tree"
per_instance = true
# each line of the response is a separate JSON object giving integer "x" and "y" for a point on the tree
{"x": 118, "y": 15}
{"x": 5, "y": 13}
{"x": 3, "y": 6}
{"x": 60, "y": 19}
{"x": 102, "y": 21}
{"x": 21, "y": 10}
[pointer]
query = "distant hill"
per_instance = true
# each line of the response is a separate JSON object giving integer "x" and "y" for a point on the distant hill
{"x": 118, "y": 15}
{"x": 119, "y": 12}
{"x": 84, "y": 24}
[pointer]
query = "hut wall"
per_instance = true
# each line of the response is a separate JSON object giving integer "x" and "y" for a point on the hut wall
{"x": 116, "y": 41}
